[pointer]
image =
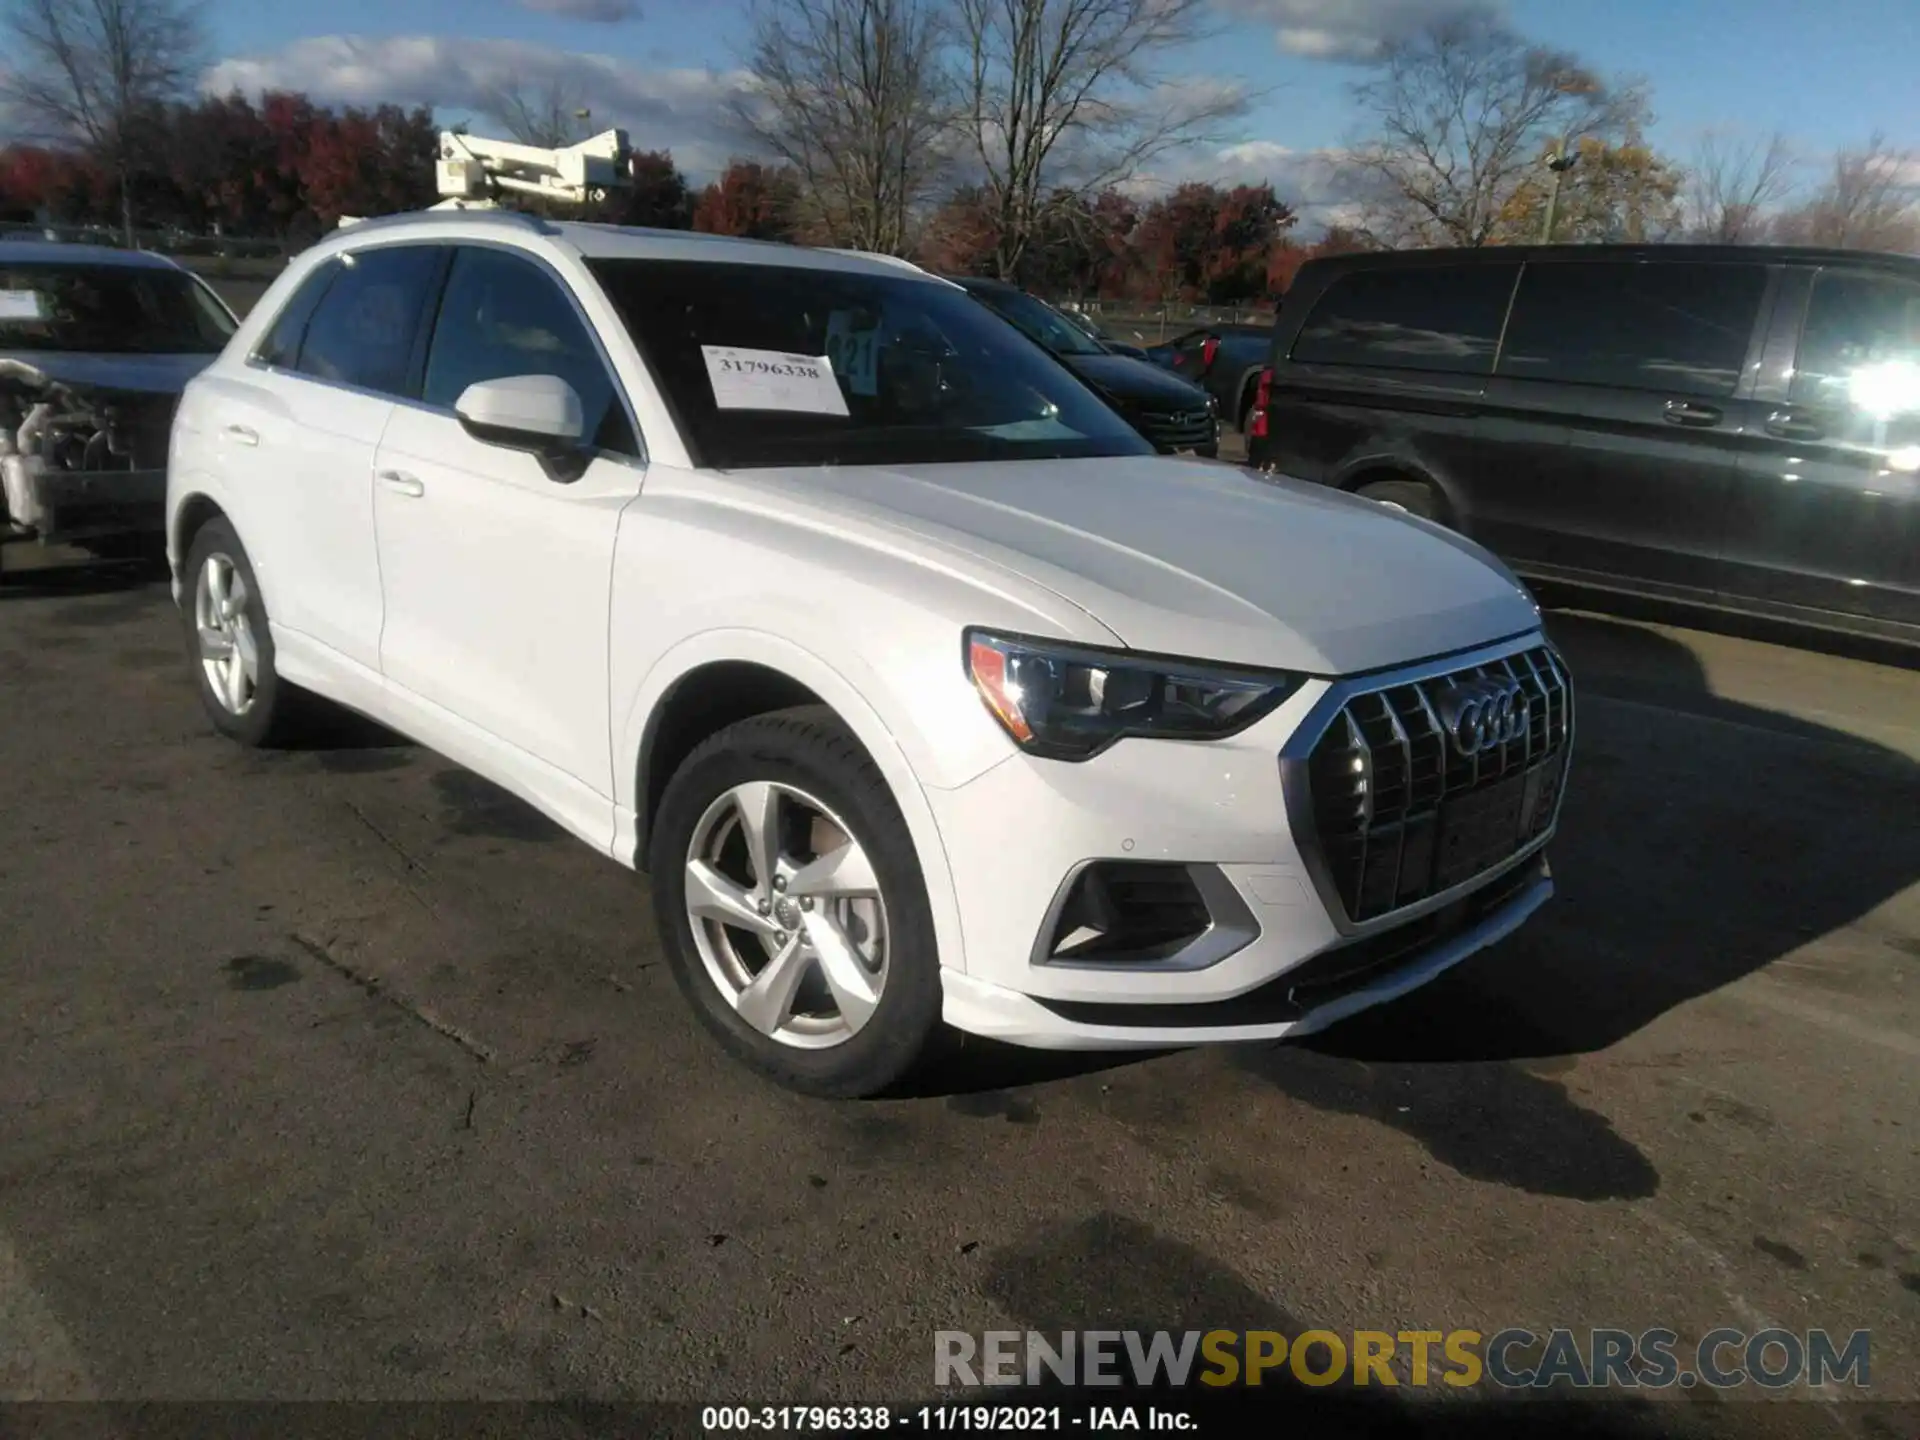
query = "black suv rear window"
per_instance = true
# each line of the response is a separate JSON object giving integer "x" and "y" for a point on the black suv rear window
{"x": 1411, "y": 317}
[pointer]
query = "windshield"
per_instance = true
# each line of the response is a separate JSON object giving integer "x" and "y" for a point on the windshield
{"x": 108, "y": 310}
{"x": 769, "y": 365}
{"x": 1041, "y": 322}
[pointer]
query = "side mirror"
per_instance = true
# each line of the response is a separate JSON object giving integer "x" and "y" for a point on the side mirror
{"x": 539, "y": 414}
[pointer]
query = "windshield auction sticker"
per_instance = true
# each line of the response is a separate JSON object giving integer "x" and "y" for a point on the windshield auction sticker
{"x": 772, "y": 380}
{"x": 21, "y": 305}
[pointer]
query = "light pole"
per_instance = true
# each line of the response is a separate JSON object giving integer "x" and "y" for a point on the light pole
{"x": 1563, "y": 160}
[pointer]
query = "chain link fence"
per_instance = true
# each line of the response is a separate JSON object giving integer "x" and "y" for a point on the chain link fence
{"x": 1135, "y": 322}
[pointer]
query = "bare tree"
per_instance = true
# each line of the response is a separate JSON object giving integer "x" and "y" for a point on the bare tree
{"x": 851, "y": 94}
{"x": 1461, "y": 114}
{"x": 550, "y": 113}
{"x": 1732, "y": 188}
{"x": 1871, "y": 201}
{"x": 1064, "y": 98}
{"x": 92, "y": 72}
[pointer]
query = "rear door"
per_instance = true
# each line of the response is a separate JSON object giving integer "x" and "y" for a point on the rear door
{"x": 1648, "y": 366}
{"x": 296, "y": 428}
{"x": 1826, "y": 509}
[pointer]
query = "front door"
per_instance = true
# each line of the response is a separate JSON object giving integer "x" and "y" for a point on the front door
{"x": 497, "y": 577}
{"x": 1827, "y": 511}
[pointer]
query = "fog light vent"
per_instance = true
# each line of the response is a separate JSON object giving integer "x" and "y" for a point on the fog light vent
{"x": 1124, "y": 910}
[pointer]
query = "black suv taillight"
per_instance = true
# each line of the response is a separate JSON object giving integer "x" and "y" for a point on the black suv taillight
{"x": 1262, "y": 397}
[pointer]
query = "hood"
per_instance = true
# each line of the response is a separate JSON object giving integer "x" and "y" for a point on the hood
{"x": 1137, "y": 381}
{"x": 1191, "y": 558}
{"x": 153, "y": 374}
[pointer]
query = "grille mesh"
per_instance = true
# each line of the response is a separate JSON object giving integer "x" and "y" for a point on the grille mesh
{"x": 1176, "y": 429}
{"x": 1403, "y": 815}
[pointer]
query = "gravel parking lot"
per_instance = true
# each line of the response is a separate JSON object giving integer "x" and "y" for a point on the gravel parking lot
{"x": 340, "y": 1073}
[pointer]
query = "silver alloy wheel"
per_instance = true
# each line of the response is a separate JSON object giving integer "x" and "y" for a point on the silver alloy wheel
{"x": 228, "y": 652}
{"x": 787, "y": 914}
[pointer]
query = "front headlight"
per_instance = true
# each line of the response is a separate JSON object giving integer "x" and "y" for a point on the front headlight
{"x": 1070, "y": 703}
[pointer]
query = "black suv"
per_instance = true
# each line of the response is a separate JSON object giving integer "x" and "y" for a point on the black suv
{"x": 1178, "y": 417}
{"x": 1733, "y": 427}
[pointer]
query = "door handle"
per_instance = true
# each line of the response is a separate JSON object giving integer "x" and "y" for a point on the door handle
{"x": 243, "y": 436}
{"x": 1686, "y": 412}
{"x": 402, "y": 483}
{"x": 1788, "y": 426}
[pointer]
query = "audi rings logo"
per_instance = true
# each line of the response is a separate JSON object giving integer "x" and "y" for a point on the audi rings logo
{"x": 1482, "y": 714}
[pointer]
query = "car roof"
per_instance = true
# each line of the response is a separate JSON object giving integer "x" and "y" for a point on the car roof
{"x": 593, "y": 241}
{"x": 53, "y": 252}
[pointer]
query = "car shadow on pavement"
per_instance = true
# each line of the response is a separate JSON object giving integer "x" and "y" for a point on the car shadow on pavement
{"x": 1108, "y": 1272}
{"x": 1567, "y": 610}
{"x": 1702, "y": 839}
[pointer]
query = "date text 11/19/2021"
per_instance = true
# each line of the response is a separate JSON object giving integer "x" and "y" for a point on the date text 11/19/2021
{"x": 941, "y": 1419}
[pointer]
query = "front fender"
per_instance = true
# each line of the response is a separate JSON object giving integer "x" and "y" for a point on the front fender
{"x": 847, "y": 701}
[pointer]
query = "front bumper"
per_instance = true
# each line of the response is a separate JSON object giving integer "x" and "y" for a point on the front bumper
{"x": 1283, "y": 955}
{"x": 996, "y": 1012}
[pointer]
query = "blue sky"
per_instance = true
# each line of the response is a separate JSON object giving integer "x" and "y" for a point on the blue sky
{"x": 1827, "y": 75}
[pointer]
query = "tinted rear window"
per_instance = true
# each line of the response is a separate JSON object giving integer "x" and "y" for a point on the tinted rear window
{"x": 1679, "y": 328}
{"x": 1428, "y": 317}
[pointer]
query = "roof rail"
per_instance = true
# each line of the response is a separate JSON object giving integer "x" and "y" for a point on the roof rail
{"x": 517, "y": 218}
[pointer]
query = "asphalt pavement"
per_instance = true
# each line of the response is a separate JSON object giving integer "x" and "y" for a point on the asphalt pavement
{"x": 340, "y": 1074}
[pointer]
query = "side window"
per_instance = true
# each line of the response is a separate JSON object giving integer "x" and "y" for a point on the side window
{"x": 1681, "y": 329}
{"x": 1859, "y": 358}
{"x": 281, "y": 347}
{"x": 1445, "y": 318}
{"x": 365, "y": 327}
{"x": 501, "y": 316}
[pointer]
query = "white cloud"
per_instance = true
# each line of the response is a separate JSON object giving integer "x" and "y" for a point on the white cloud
{"x": 605, "y": 12}
{"x": 1349, "y": 29}
{"x": 683, "y": 110}
{"x": 1322, "y": 186}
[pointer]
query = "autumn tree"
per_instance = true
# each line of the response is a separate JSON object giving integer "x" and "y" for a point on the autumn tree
{"x": 1210, "y": 244}
{"x": 94, "y": 73}
{"x": 1061, "y": 99}
{"x": 1621, "y": 193}
{"x": 957, "y": 238}
{"x": 231, "y": 167}
{"x": 368, "y": 162}
{"x": 659, "y": 197}
{"x": 1459, "y": 116}
{"x": 750, "y": 199}
{"x": 1733, "y": 187}
{"x": 852, "y": 96}
{"x": 1870, "y": 201}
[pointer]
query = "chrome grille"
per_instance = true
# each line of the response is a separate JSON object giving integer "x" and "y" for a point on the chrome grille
{"x": 1176, "y": 429}
{"x": 1402, "y": 814}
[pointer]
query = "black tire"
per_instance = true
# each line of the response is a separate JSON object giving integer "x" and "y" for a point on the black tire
{"x": 279, "y": 710}
{"x": 811, "y": 749}
{"x": 1413, "y": 496}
